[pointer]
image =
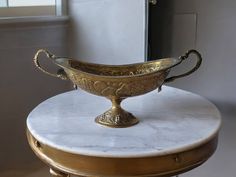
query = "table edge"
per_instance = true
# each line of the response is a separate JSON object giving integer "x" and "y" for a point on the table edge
{"x": 161, "y": 165}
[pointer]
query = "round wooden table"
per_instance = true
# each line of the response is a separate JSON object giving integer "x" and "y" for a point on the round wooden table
{"x": 178, "y": 131}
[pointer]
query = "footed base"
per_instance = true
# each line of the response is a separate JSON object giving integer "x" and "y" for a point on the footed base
{"x": 117, "y": 118}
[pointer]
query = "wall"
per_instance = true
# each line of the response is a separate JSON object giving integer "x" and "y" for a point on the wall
{"x": 22, "y": 87}
{"x": 209, "y": 26}
{"x": 107, "y": 31}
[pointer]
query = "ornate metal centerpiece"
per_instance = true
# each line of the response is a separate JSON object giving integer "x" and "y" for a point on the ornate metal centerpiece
{"x": 117, "y": 82}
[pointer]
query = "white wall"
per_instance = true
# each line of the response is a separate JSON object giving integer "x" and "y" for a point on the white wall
{"x": 22, "y": 87}
{"x": 107, "y": 31}
{"x": 211, "y": 28}
{"x": 208, "y": 26}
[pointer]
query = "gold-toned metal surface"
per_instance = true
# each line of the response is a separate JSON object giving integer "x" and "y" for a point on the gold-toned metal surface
{"x": 157, "y": 166}
{"x": 117, "y": 82}
{"x": 60, "y": 74}
{"x": 58, "y": 173}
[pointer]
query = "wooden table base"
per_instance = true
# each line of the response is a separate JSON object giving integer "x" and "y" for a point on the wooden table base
{"x": 58, "y": 173}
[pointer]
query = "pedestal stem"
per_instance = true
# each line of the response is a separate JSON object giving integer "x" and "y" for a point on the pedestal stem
{"x": 116, "y": 117}
{"x": 116, "y": 103}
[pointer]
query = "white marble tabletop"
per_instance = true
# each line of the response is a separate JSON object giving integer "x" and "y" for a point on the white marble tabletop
{"x": 170, "y": 121}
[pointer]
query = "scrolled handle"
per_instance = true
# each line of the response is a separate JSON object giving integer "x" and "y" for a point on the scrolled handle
{"x": 184, "y": 57}
{"x": 60, "y": 74}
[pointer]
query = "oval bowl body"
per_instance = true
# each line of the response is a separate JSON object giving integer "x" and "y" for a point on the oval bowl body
{"x": 117, "y": 80}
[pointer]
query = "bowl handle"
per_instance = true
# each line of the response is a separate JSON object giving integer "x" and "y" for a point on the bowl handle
{"x": 184, "y": 57}
{"x": 60, "y": 73}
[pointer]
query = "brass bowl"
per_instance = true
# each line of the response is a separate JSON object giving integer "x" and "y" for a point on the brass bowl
{"x": 117, "y": 82}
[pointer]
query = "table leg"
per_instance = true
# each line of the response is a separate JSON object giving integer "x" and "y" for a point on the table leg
{"x": 57, "y": 173}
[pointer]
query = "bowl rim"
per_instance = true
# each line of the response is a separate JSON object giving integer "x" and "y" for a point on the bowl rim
{"x": 61, "y": 62}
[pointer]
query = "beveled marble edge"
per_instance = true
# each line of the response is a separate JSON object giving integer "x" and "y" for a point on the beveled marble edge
{"x": 120, "y": 154}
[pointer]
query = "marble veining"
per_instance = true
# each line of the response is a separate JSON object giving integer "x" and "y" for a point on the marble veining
{"x": 170, "y": 121}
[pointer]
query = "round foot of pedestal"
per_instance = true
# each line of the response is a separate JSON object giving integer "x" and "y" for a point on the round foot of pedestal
{"x": 117, "y": 118}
